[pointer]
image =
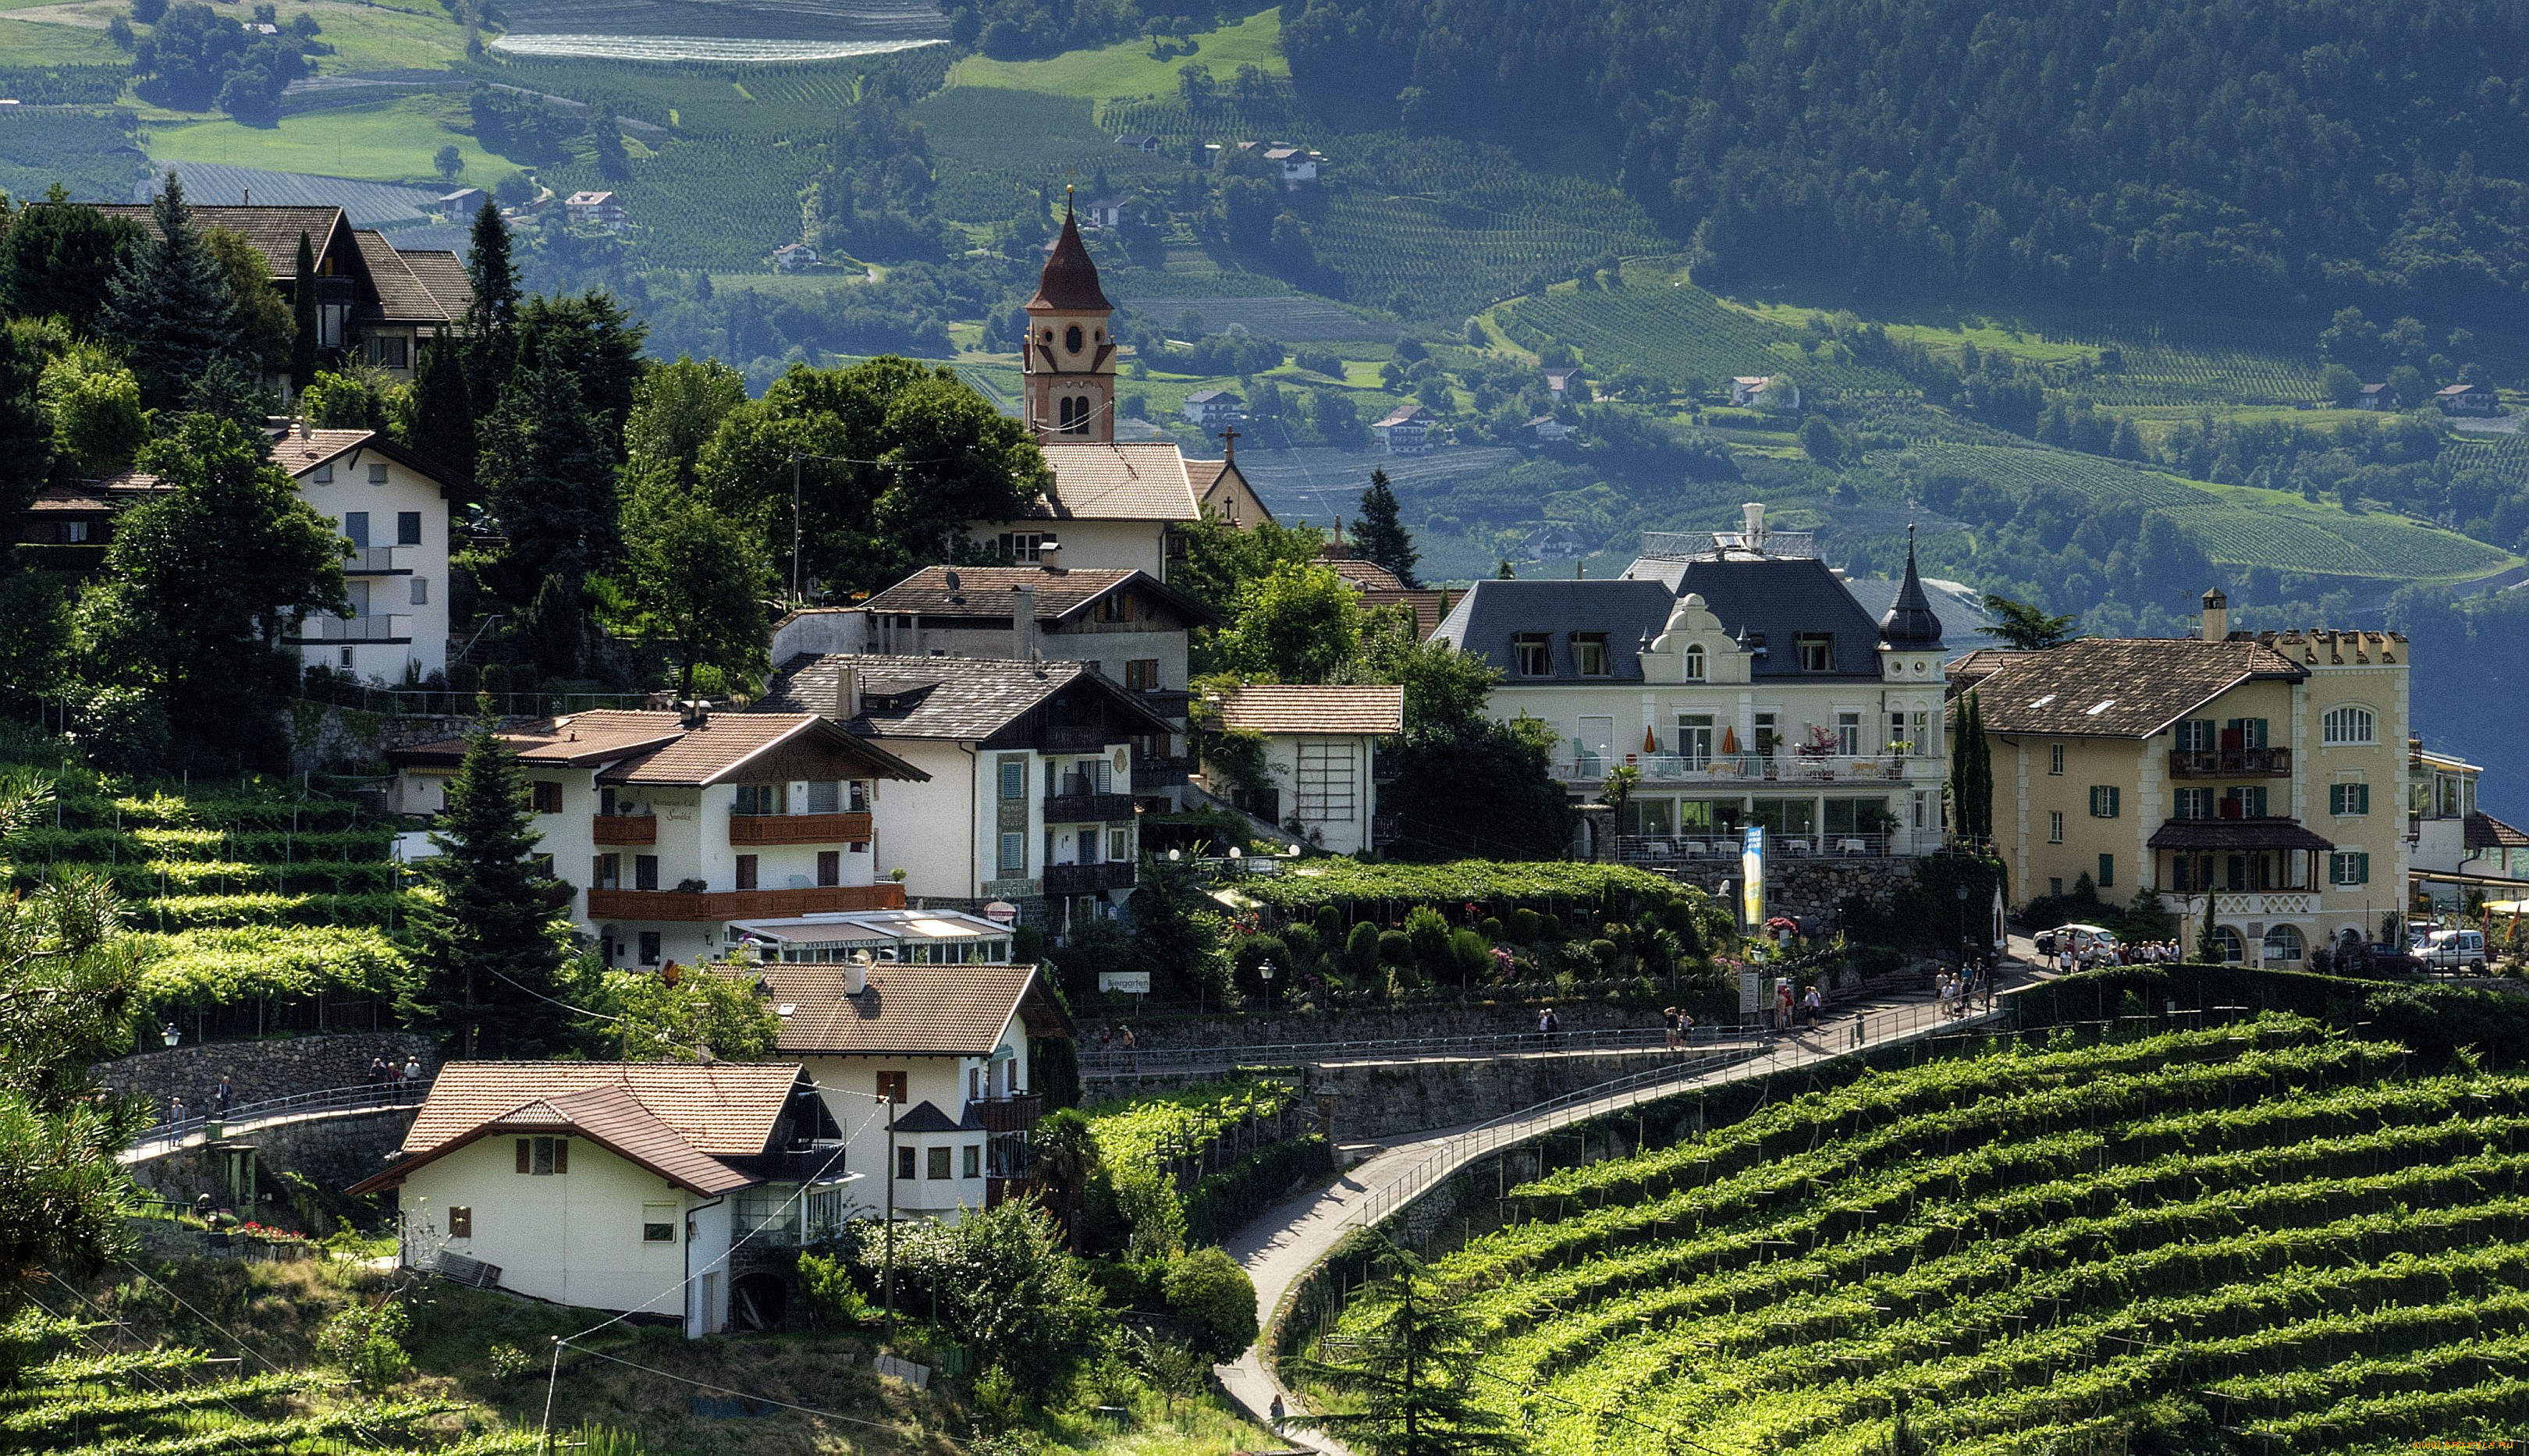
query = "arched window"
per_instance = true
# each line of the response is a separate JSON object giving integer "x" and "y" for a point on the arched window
{"x": 2282, "y": 945}
{"x": 1694, "y": 664}
{"x": 1063, "y": 413}
{"x": 1074, "y": 415}
{"x": 1071, "y": 339}
{"x": 2228, "y": 944}
{"x": 2348, "y": 726}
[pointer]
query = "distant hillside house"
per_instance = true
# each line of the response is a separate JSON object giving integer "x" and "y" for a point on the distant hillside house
{"x": 1299, "y": 168}
{"x": 2376, "y": 397}
{"x": 1548, "y": 430}
{"x": 1407, "y": 430}
{"x": 1750, "y": 389}
{"x": 1559, "y": 381}
{"x": 2467, "y": 399}
{"x": 603, "y": 209}
{"x": 372, "y": 302}
{"x": 793, "y": 257}
{"x": 460, "y": 205}
{"x": 1113, "y": 213}
{"x": 1212, "y": 408}
{"x": 1136, "y": 141}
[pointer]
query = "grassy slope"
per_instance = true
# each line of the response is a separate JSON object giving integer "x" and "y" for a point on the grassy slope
{"x": 383, "y": 141}
{"x": 1127, "y": 69}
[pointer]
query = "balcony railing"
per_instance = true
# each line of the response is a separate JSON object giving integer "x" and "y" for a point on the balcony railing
{"x": 369, "y": 628}
{"x": 1016, "y": 1114}
{"x": 1088, "y": 879}
{"x": 1749, "y": 768}
{"x": 1090, "y": 739}
{"x": 1680, "y": 848}
{"x": 2230, "y": 763}
{"x": 1086, "y": 808}
{"x": 375, "y": 561}
{"x": 1151, "y": 774}
{"x": 625, "y": 829}
{"x": 739, "y": 904}
{"x": 798, "y": 829}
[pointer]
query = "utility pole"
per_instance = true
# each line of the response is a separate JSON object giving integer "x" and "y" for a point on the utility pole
{"x": 887, "y": 1286}
{"x": 794, "y": 542}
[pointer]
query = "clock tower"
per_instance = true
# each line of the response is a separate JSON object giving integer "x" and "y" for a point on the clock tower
{"x": 1070, "y": 359}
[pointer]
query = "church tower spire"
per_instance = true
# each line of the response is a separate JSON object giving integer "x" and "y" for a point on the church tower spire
{"x": 1070, "y": 359}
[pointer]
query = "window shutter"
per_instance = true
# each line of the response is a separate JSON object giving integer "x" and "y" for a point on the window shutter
{"x": 526, "y": 1156}
{"x": 2362, "y": 867}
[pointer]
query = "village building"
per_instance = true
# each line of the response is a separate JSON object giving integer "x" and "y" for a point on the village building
{"x": 793, "y": 257}
{"x": 1318, "y": 741}
{"x": 602, "y": 209}
{"x": 2376, "y": 397}
{"x": 2468, "y": 400}
{"x": 1751, "y": 388}
{"x": 1215, "y": 408}
{"x": 659, "y": 1188}
{"x": 1742, "y": 682}
{"x": 683, "y": 822}
{"x": 1405, "y": 430}
{"x": 2457, "y": 847}
{"x": 2261, "y": 769}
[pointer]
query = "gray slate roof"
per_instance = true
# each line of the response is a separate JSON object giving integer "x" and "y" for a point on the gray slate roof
{"x": 1775, "y": 598}
{"x": 942, "y": 697}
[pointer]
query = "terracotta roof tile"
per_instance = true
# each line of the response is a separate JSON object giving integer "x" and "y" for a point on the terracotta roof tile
{"x": 909, "y": 1010}
{"x": 299, "y": 453}
{"x": 946, "y": 697}
{"x": 1334, "y": 708}
{"x": 726, "y": 1109}
{"x": 2485, "y": 832}
{"x": 1365, "y": 573}
{"x": 1141, "y": 481}
{"x": 986, "y": 591}
{"x": 2118, "y": 688}
{"x": 573, "y": 741}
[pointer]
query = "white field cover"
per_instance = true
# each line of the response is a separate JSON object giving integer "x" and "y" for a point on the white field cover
{"x": 697, "y": 47}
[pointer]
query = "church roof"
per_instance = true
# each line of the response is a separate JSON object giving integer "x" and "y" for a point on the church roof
{"x": 1909, "y": 621}
{"x": 1069, "y": 282}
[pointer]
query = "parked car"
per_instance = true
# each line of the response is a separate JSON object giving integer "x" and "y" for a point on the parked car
{"x": 2088, "y": 944}
{"x": 2451, "y": 950}
{"x": 2389, "y": 960}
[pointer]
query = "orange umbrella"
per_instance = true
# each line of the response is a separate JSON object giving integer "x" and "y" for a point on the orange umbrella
{"x": 1730, "y": 740}
{"x": 1651, "y": 740}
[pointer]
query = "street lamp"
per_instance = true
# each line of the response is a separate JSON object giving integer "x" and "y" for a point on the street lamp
{"x": 1264, "y": 971}
{"x": 171, "y": 1036}
{"x": 1964, "y": 942}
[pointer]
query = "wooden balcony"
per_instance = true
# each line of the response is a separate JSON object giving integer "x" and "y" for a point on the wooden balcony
{"x": 798, "y": 829}
{"x": 625, "y": 829}
{"x": 1088, "y": 808}
{"x": 741, "y": 905}
{"x": 1007, "y": 1113}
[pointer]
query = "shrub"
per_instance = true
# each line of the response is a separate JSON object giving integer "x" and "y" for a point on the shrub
{"x": 1213, "y": 1302}
{"x": 1252, "y": 956}
{"x": 1395, "y": 947}
{"x": 1428, "y": 930}
{"x": 1362, "y": 951}
{"x": 509, "y": 1361}
{"x": 367, "y": 1343}
{"x": 1526, "y": 925}
{"x": 1330, "y": 925}
{"x": 828, "y": 1289}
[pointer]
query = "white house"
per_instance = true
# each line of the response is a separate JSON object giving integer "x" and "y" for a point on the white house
{"x": 1028, "y": 793}
{"x": 641, "y": 1187}
{"x": 1298, "y": 166}
{"x": 1548, "y": 430}
{"x": 603, "y": 208}
{"x": 793, "y": 257}
{"x": 1750, "y": 389}
{"x": 1406, "y": 430}
{"x": 2450, "y": 835}
{"x": 1318, "y": 741}
{"x": 392, "y": 506}
{"x": 1113, "y": 211}
{"x": 1213, "y": 408}
{"x": 1742, "y": 681}
{"x": 682, "y": 825}
{"x": 928, "y": 1061}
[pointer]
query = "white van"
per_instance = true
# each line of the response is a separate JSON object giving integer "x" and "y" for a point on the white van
{"x": 2088, "y": 944}
{"x": 2451, "y": 950}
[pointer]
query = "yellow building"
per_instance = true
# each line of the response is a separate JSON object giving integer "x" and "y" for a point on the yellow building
{"x": 2264, "y": 769}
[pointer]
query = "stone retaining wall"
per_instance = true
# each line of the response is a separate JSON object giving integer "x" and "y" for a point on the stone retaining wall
{"x": 1808, "y": 889}
{"x": 330, "y": 1150}
{"x": 1377, "y": 1099}
{"x": 260, "y": 1069}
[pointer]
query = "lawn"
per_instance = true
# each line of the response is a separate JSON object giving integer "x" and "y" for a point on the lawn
{"x": 1126, "y": 68}
{"x": 384, "y": 37}
{"x": 25, "y": 42}
{"x": 386, "y": 141}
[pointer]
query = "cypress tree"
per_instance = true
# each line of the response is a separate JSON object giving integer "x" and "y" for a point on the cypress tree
{"x": 1980, "y": 783}
{"x": 302, "y": 319}
{"x": 1378, "y": 536}
{"x": 2208, "y": 944}
{"x": 168, "y": 303}
{"x": 489, "y": 947}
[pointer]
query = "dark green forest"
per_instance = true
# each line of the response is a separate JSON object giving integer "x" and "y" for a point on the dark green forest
{"x": 2238, "y": 154}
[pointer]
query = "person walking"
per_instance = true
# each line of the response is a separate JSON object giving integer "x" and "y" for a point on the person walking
{"x": 412, "y": 1069}
{"x": 1130, "y": 1061}
{"x": 1668, "y": 1025}
{"x": 1547, "y": 1024}
{"x": 175, "y": 1117}
{"x": 377, "y": 1071}
{"x": 224, "y": 1096}
{"x": 1817, "y": 1007}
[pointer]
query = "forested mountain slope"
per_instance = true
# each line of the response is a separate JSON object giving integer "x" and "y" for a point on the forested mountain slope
{"x": 2276, "y": 153}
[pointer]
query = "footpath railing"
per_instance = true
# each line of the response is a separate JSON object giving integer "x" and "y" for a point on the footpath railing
{"x": 1112, "y": 1064}
{"x": 168, "y": 1134}
{"x": 1786, "y": 1049}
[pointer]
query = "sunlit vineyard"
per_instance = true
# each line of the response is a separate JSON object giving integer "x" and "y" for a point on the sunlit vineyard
{"x": 1681, "y": 333}
{"x": 2266, "y": 1229}
{"x": 2182, "y": 360}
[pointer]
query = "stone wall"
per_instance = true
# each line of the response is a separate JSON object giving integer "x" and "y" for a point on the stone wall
{"x": 330, "y": 1150}
{"x": 1805, "y": 889}
{"x": 1361, "y": 1024}
{"x": 1377, "y": 1099}
{"x": 261, "y": 1069}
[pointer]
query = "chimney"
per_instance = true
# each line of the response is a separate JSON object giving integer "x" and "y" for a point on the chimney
{"x": 1049, "y": 554}
{"x": 1022, "y": 622}
{"x": 856, "y": 973}
{"x": 1752, "y": 512}
{"x": 841, "y": 701}
{"x": 694, "y": 713}
{"x": 2217, "y": 615}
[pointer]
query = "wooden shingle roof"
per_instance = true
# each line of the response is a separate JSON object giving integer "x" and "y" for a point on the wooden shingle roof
{"x": 273, "y": 231}
{"x": 1329, "y": 708}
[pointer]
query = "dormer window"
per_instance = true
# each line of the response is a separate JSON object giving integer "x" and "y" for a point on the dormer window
{"x": 1531, "y": 656}
{"x": 1589, "y": 653}
{"x": 1816, "y": 650}
{"x": 1694, "y": 664}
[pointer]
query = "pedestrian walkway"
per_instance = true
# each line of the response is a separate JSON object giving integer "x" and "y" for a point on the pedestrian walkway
{"x": 1280, "y": 1247}
{"x": 364, "y": 1100}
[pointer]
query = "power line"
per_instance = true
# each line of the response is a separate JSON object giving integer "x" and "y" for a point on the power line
{"x": 767, "y": 1399}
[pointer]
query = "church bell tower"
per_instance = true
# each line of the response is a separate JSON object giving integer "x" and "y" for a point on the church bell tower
{"x": 1069, "y": 362}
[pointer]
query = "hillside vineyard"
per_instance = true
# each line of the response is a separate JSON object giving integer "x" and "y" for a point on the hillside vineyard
{"x": 2265, "y": 1227}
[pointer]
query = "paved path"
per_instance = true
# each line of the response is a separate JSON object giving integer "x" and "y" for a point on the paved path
{"x": 1282, "y": 1244}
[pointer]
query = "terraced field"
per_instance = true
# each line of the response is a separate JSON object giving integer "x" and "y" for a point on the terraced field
{"x": 235, "y": 899}
{"x": 2234, "y": 525}
{"x": 2267, "y": 1229}
{"x": 1679, "y": 332}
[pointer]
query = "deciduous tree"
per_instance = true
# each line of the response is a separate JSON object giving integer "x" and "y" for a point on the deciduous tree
{"x": 546, "y": 476}
{"x": 697, "y": 575}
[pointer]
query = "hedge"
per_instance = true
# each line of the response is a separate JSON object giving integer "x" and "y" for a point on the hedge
{"x": 1545, "y": 884}
{"x": 1227, "y": 1198}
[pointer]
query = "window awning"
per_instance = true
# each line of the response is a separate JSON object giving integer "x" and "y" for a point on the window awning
{"x": 2237, "y": 833}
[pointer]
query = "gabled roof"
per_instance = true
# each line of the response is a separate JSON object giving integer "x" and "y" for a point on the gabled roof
{"x": 1404, "y": 414}
{"x": 2485, "y": 832}
{"x": 1206, "y": 397}
{"x": 721, "y": 746}
{"x": 2120, "y": 687}
{"x": 1367, "y": 574}
{"x": 910, "y": 1009}
{"x": 443, "y": 272}
{"x": 1138, "y": 480}
{"x": 943, "y": 593}
{"x": 1301, "y": 708}
{"x": 677, "y": 1119}
{"x": 274, "y": 231}
{"x": 578, "y": 740}
{"x": 402, "y": 298}
{"x": 955, "y": 698}
{"x": 1069, "y": 281}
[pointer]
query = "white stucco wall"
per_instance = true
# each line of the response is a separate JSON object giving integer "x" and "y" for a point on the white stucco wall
{"x": 426, "y": 564}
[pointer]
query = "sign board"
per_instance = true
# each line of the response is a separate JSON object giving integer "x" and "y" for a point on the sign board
{"x": 1131, "y": 983}
{"x": 1751, "y": 871}
{"x": 1752, "y": 993}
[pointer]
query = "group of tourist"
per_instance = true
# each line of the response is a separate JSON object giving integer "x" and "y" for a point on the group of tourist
{"x": 2060, "y": 954}
{"x": 1965, "y": 991}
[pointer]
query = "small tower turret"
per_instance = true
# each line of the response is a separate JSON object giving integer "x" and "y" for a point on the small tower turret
{"x": 1069, "y": 362}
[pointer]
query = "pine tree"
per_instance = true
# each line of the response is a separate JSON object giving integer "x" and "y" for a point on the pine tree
{"x": 168, "y": 303}
{"x": 1408, "y": 1388}
{"x": 548, "y": 478}
{"x": 490, "y": 946}
{"x": 442, "y": 423}
{"x": 492, "y": 319}
{"x": 302, "y": 318}
{"x": 25, "y": 425}
{"x": 1379, "y": 537}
